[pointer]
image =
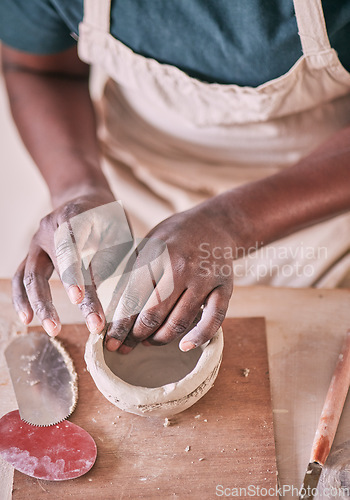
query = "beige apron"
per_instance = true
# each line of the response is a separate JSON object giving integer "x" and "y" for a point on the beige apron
{"x": 170, "y": 141}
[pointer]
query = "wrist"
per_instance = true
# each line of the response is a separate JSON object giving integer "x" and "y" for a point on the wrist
{"x": 80, "y": 177}
{"x": 87, "y": 188}
{"x": 230, "y": 215}
{"x": 249, "y": 216}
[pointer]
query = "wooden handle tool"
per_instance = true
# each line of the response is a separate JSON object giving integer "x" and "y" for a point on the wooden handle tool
{"x": 328, "y": 422}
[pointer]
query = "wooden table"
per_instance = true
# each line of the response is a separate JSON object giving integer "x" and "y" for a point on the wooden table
{"x": 224, "y": 441}
{"x": 305, "y": 328}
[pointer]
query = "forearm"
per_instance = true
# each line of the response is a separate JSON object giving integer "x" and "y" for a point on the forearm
{"x": 55, "y": 117}
{"x": 315, "y": 189}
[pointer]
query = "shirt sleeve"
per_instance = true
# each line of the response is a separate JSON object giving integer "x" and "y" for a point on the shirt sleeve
{"x": 33, "y": 26}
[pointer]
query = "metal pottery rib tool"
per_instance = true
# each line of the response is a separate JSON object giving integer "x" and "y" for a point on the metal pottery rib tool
{"x": 43, "y": 378}
{"x": 328, "y": 422}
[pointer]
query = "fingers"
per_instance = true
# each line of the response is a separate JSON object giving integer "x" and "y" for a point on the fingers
{"x": 19, "y": 296}
{"x": 105, "y": 262}
{"x": 31, "y": 293}
{"x": 88, "y": 247}
{"x": 178, "y": 321}
{"x": 68, "y": 263}
{"x": 111, "y": 248}
{"x": 92, "y": 310}
{"x": 159, "y": 327}
{"x": 138, "y": 289}
{"x": 143, "y": 281}
{"x": 149, "y": 308}
{"x": 213, "y": 315}
{"x": 155, "y": 311}
{"x": 98, "y": 239}
{"x": 37, "y": 271}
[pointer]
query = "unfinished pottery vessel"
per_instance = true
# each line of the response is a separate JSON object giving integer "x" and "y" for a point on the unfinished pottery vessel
{"x": 154, "y": 380}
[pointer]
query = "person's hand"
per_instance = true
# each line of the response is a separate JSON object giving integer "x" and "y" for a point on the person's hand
{"x": 84, "y": 239}
{"x": 182, "y": 265}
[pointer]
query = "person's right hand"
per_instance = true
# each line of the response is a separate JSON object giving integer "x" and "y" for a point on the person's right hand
{"x": 84, "y": 240}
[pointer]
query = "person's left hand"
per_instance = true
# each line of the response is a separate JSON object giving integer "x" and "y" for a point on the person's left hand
{"x": 185, "y": 262}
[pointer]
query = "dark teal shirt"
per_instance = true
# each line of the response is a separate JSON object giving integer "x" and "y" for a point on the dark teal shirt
{"x": 246, "y": 42}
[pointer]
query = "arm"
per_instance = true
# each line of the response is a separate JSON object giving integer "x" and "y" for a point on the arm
{"x": 315, "y": 189}
{"x": 52, "y": 109}
{"x": 51, "y": 106}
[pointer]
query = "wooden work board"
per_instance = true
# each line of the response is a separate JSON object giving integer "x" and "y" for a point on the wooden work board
{"x": 225, "y": 440}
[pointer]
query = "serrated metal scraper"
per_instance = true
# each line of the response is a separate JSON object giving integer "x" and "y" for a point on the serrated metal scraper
{"x": 43, "y": 378}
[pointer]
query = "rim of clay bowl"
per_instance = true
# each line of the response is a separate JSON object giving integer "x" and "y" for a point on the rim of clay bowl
{"x": 146, "y": 399}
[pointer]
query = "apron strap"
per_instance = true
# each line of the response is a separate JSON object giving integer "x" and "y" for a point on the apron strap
{"x": 97, "y": 13}
{"x": 311, "y": 26}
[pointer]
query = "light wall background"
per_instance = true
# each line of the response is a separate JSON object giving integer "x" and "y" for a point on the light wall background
{"x": 24, "y": 197}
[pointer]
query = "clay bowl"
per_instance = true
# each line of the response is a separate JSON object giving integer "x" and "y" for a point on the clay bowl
{"x": 154, "y": 380}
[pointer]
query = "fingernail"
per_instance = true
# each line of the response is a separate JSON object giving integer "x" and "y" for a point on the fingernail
{"x": 75, "y": 294}
{"x": 23, "y": 317}
{"x": 49, "y": 327}
{"x": 94, "y": 323}
{"x": 187, "y": 346}
{"x": 112, "y": 344}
